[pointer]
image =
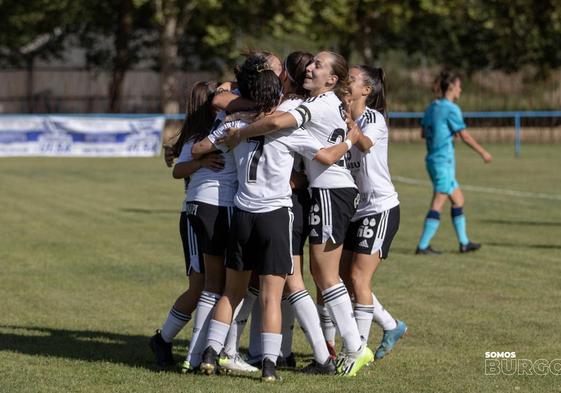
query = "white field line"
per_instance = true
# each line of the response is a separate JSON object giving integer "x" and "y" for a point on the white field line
{"x": 488, "y": 190}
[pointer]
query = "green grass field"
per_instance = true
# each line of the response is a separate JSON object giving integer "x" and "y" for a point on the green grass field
{"x": 91, "y": 261}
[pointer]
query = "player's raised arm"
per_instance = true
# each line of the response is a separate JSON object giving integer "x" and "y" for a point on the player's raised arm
{"x": 225, "y": 100}
{"x": 202, "y": 147}
{"x": 266, "y": 125}
{"x": 332, "y": 154}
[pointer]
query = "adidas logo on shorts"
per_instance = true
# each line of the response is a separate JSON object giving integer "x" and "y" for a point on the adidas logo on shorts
{"x": 314, "y": 233}
{"x": 363, "y": 244}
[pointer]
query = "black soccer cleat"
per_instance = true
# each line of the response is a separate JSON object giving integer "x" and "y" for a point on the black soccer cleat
{"x": 287, "y": 362}
{"x": 209, "y": 365}
{"x": 469, "y": 247}
{"x": 427, "y": 251}
{"x": 269, "y": 371}
{"x": 162, "y": 350}
{"x": 328, "y": 368}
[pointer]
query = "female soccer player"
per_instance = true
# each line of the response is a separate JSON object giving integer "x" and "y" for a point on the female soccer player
{"x": 197, "y": 117}
{"x": 442, "y": 121}
{"x": 261, "y": 226}
{"x": 333, "y": 194}
{"x": 376, "y": 220}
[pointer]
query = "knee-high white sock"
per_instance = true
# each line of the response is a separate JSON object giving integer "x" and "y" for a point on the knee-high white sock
{"x": 217, "y": 332}
{"x": 363, "y": 316}
{"x": 287, "y": 327}
{"x": 175, "y": 321}
{"x": 241, "y": 314}
{"x": 381, "y": 316}
{"x": 308, "y": 318}
{"x": 271, "y": 343}
{"x": 255, "y": 350}
{"x": 206, "y": 304}
{"x": 339, "y": 305}
{"x": 327, "y": 324}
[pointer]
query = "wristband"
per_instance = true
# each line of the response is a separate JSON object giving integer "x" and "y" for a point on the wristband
{"x": 349, "y": 144}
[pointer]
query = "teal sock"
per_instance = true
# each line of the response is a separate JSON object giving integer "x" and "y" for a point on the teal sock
{"x": 459, "y": 221}
{"x": 430, "y": 227}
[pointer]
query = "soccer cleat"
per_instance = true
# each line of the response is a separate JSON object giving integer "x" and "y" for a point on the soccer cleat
{"x": 353, "y": 362}
{"x": 186, "y": 367}
{"x": 287, "y": 362}
{"x": 209, "y": 363}
{"x": 235, "y": 364}
{"x": 469, "y": 247}
{"x": 162, "y": 350}
{"x": 427, "y": 251}
{"x": 269, "y": 371}
{"x": 390, "y": 338}
{"x": 328, "y": 368}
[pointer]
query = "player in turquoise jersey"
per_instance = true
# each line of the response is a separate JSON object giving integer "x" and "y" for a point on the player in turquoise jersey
{"x": 442, "y": 122}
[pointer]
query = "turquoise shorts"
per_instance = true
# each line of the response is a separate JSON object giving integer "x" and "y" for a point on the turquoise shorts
{"x": 443, "y": 177}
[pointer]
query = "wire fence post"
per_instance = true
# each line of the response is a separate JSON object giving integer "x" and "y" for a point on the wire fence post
{"x": 517, "y": 134}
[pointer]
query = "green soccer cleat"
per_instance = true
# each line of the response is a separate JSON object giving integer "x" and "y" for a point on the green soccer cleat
{"x": 391, "y": 337}
{"x": 351, "y": 363}
{"x": 186, "y": 367}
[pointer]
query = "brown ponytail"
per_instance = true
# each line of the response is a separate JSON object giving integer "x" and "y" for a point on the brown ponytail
{"x": 340, "y": 68}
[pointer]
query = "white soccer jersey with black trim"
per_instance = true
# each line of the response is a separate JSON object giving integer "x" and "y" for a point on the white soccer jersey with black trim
{"x": 264, "y": 166}
{"x": 324, "y": 118}
{"x": 285, "y": 106}
{"x": 370, "y": 169}
{"x": 208, "y": 186}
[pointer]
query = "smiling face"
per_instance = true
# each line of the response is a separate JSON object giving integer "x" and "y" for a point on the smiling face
{"x": 358, "y": 88}
{"x": 319, "y": 76}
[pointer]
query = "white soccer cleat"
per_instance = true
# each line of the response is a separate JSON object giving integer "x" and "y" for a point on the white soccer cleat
{"x": 235, "y": 364}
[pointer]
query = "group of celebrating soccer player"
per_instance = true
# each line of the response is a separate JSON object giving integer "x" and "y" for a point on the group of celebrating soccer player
{"x": 292, "y": 151}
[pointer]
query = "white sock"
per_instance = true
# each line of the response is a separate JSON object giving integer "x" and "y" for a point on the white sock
{"x": 308, "y": 318}
{"x": 363, "y": 316}
{"x": 255, "y": 350}
{"x": 287, "y": 327}
{"x": 217, "y": 332}
{"x": 339, "y": 305}
{"x": 206, "y": 304}
{"x": 271, "y": 343}
{"x": 327, "y": 324}
{"x": 381, "y": 316}
{"x": 241, "y": 314}
{"x": 174, "y": 323}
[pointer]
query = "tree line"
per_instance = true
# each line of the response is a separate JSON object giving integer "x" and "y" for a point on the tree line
{"x": 172, "y": 35}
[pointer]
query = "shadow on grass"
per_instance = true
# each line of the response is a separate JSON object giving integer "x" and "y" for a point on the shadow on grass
{"x": 90, "y": 346}
{"x": 524, "y": 223}
{"x": 149, "y": 211}
{"x": 86, "y": 345}
{"x": 522, "y": 245}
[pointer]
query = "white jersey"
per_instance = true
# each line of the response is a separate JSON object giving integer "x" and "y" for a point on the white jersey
{"x": 324, "y": 118}
{"x": 208, "y": 186}
{"x": 285, "y": 106}
{"x": 370, "y": 169}
{"x": 264, "y": 165}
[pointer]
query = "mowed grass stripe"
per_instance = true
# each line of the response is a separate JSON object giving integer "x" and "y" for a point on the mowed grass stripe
{"x": 88, "y": 275}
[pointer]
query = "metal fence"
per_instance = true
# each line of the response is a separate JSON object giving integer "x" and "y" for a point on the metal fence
{"x": 515, "y": 116}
